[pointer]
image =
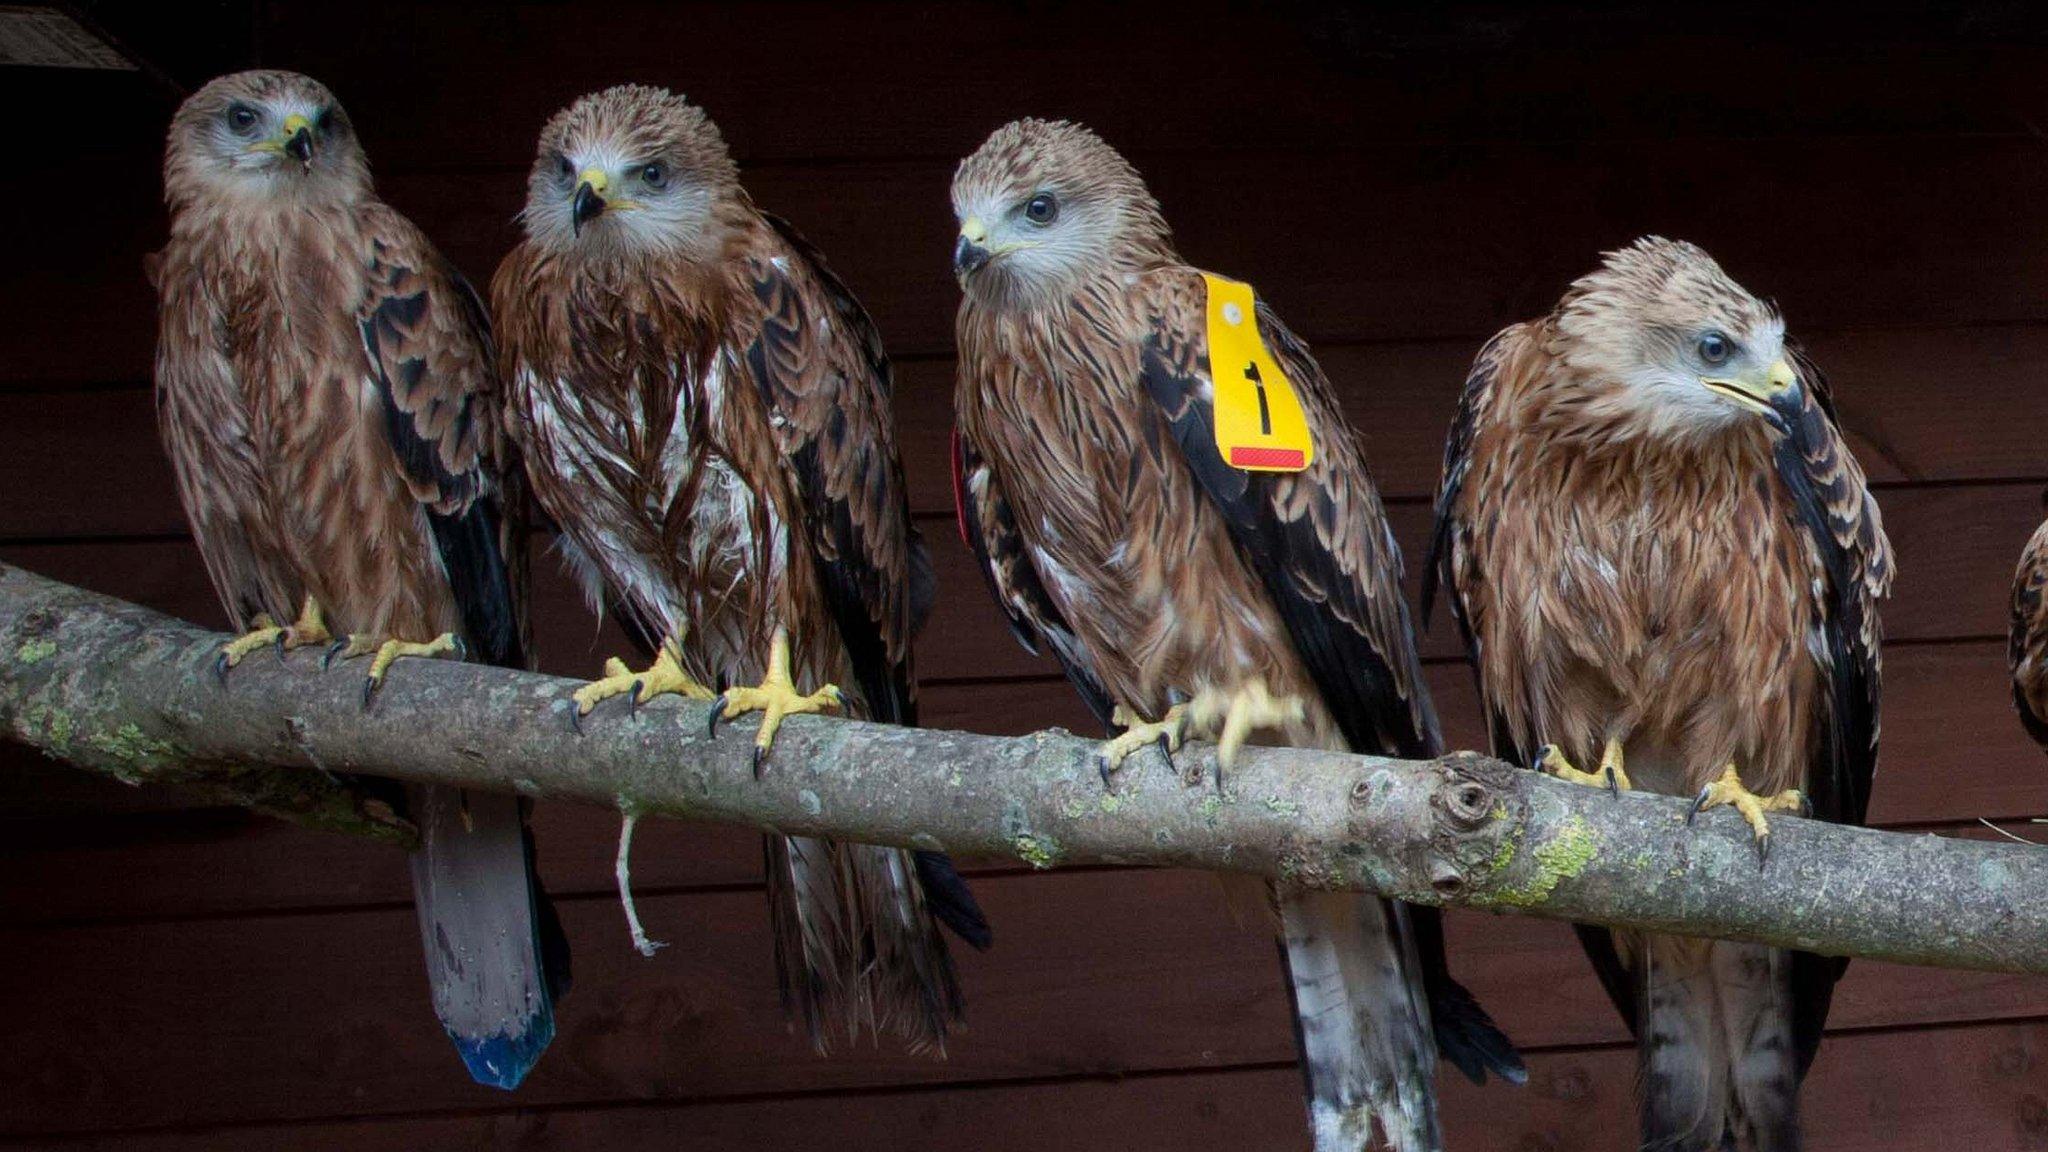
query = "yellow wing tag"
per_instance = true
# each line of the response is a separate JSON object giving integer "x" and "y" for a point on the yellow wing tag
{"x": 1259, "y": 423}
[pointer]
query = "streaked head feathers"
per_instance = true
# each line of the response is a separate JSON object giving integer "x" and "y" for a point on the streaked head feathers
{"x": 248, "y": 136}
{"x": 1046, "y": 205}
{"x": 631, "y": 170}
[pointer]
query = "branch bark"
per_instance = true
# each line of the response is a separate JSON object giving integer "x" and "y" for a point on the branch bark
{"x": 121, "y": 690}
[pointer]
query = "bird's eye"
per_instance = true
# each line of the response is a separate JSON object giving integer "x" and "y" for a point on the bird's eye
{"x": 563, "y": 166}
{"x": 1715, "y": 348}
{"x": 1042, "y": 209}
{"x": 654, "y": 176}
{"x": 241, "y": 117}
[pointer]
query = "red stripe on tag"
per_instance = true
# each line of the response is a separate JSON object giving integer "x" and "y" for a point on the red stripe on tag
{"x": 1267, "y": 458}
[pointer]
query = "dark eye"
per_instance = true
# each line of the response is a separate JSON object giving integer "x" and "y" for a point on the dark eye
{"x": 1716, "y": 348}
{"x": 1042, "y": 209}
{"x": 563, "y": 166}
{"x": 241, "y": 117}
{"x": 654, "y": 176}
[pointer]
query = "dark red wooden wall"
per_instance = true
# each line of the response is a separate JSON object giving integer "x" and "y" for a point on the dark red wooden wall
{"x": 1399, "y": 182}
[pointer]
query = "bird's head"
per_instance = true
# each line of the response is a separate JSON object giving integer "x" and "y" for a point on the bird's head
{"x": 631, "y": 171}
{"x": 1675, "y": 346}
{"x": 1044, "y": 206}
{"x": 262, "y": 134}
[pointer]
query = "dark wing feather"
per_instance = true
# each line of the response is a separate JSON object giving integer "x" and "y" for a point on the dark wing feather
{"x": 1318, "y": 538}
{"x": 818, "y": 362}
{"x": 428, "y": 343}
{"x": 1841, "y": 519}
{"x": 989, "y": 527}
{"x": 2027, "y": 641}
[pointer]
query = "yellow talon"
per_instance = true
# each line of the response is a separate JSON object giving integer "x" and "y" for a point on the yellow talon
{"x": 386, "y": 652}
{"x": 1233, "y": 716}
{"x": 1611, "y": 775}
{"x": 775, "y": 698}
{"x": 309, "y": 628}
{"x": 664, "y": 677}
{"x": 1729, "y": 790}
{"x": 1169, "y": 731}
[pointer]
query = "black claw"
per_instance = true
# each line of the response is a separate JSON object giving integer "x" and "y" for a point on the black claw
{"x": 1219, "y": 778}
{"x": 1613, "y": 784}
{"x": 633, "y": 700}
{"x": 1763, "y": 851}
{"x": 280, "y": 647}
{"x": 717, "y": 714}
{"x": 369, "y": 690}
{"x": 1698, "y": 802}
{"x": 1166, "y": 747}
{"x": 759, "y": 756}
{"x": 462, "y": 649}
{"x": 220, "y": 668}
{"x": 1542, "y": 754}
{"x": 1102, "y": 769}
{"x": 575, "y": 717}
{"x": 1806, "y": 805}
{"x": 333, "y": 650}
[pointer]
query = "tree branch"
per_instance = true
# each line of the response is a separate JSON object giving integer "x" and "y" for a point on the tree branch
{"x": 124, "y": 691}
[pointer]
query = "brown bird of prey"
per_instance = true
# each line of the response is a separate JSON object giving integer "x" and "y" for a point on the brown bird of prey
{"x": 1666, "y": 567}
{"x": 705, "y": 412}
{"x": 2028, "y": 644}
{"x": 327, "y": 396}
{"x": 1160, "y": 487}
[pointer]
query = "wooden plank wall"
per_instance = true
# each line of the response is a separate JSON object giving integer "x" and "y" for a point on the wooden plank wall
{"x": 1399, "y": 185}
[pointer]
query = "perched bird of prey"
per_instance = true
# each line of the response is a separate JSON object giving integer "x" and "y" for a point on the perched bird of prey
{"x": 2028, "y": 645}
{"x": 326, "y": 392}
{"x": 705, "y": 413}
{"x": 1157, "y": 480}
{"x": 1666, "y": 566}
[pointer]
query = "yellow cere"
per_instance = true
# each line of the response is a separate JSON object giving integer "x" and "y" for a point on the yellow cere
{"x": 1259, "y": 423}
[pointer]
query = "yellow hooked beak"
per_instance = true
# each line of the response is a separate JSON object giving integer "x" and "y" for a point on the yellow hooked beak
{"x": 971, "y": 251}
{"x": 1755, "y": 391}
{"x": 590, "y": 203}
{"x": 295, "y": 138}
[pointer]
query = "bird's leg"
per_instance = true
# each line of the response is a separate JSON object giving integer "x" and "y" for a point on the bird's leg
{"x": 1230, "y": 718}
{"x": 663, "y": 677}
{"x": 309, "y": 628}
{"x": 383, "y": 651}
{"x": 775, "y": 697}
{"x": 1168, "y": 732}
{"x": 1610, "y": 775}
{"x": 1729, "y": 790}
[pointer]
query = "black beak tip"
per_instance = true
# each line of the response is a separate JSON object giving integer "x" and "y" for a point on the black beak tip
{"x": 300, "y": 146}
{"x": 588, "y": 206}
{"x": 968, "y": 256}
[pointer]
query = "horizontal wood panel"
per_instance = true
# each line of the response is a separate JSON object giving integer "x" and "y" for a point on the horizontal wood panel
{"x": 1395, "y": 242}
{"x": 1094, "y": 974}
{"x": 785, "y": 84}
{"x": 1952, "y": 1087}
{"x": 1967, "y": 1087}
{"x": 1920, "y": 405}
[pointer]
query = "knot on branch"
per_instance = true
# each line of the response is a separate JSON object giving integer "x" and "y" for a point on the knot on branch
{"x": 1474, "y": 805}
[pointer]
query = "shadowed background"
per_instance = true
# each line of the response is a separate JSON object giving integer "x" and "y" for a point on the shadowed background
{"x": 1399, "y": 181}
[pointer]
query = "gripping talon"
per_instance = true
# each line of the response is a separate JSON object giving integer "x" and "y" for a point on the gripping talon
{"x": 632, "y": 695}
{"x": 760, "y": 755}
{"x": 220, "y": 668}
{"x": 718, "y": 707}
{"x": 1698, "y": 802}
{"x": 369, "y": 690}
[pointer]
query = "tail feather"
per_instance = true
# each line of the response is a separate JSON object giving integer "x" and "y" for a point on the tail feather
{"x": 811, "y": 933}
{"x": 486, "y": 928}
{"x": 910, "y": 978}
{"x": 951, "y": 901}
{"x": 1362, "y": 1022}
{"x": 1465, "y": 1034}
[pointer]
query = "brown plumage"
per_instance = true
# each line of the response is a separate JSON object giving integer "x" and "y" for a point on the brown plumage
{"x": 705, "y": 410}
{"x": 2028, "y": 641}
{"x": 326, "y": 393}
{"x": 1112, "y": 531}
{"x": 1654, "y": 536}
